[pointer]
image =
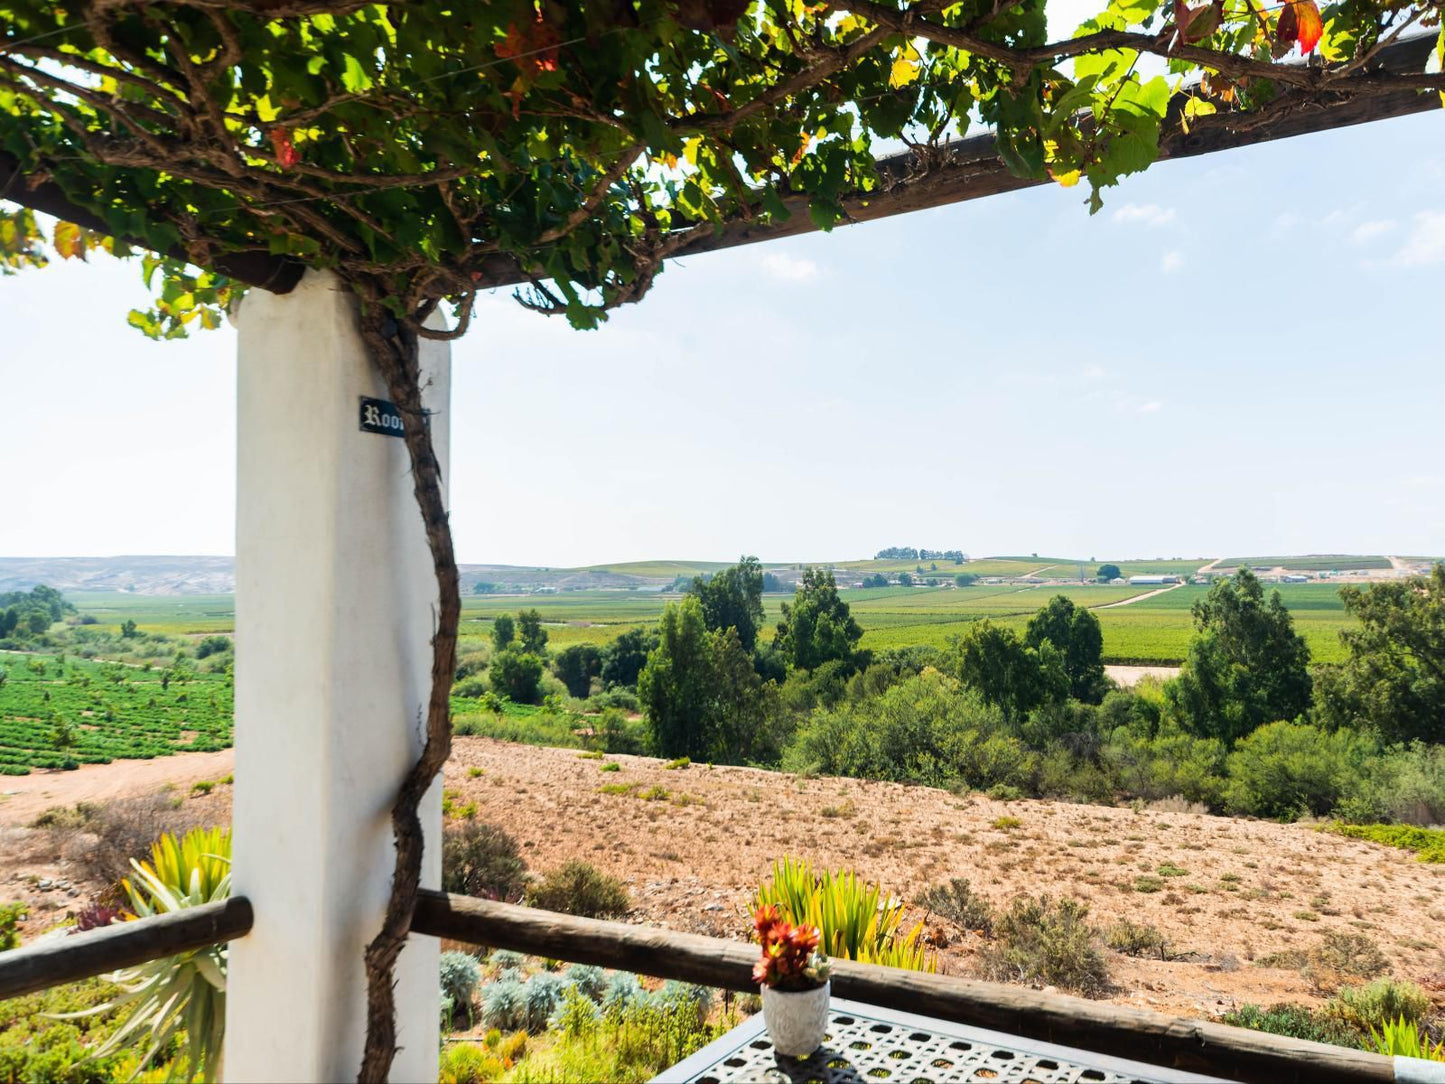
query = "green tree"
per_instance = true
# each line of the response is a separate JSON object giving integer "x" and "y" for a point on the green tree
{"x": 1393, "y": 680}
{"x": 531, "y": 633}
{"x": 733, "y": 599}
{"x": 1075, "y": 631}
{"x": 37, "y": 621}
{"x": 516, "y": 674}
{"x": 1108, "y": 572}
{"x": 905, "y": 579}
{"x": 504, "y": 631}
{"x": 675, "y": 686}
{"x": 965, "y": 579}
{"x": 1246, "y": 665}
{"x": 576, "y": 666}
{"x": 624, "y": 658}
{"x": 1006, "y": 672}
{"x": 817, "y": 625}
{"x": 128, "y": 629}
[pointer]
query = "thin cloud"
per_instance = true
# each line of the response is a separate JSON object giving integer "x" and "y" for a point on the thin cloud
{"x": 1171, "y": 262}
{"x": 1366, "y": 232}
{"x": 1150, "y": 407}
{"x": 1149, "y": 214}
{"x": 787, "y": 268}
{"x": 1426, "y": 244}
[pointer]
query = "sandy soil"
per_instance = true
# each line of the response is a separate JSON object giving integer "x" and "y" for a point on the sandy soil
{"x": 1245, "y": 889}
{"x": 25, "y": 797}
{"x": 1129, "y": 676}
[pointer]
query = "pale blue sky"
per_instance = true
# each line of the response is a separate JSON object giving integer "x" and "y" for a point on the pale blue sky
{"x": 1239, "y": 353}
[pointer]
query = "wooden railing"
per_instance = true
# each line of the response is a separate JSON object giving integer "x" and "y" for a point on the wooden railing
{"x": 1198, "y": 1046}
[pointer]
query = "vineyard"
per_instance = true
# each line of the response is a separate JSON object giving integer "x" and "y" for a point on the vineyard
{"x": 58, "y": 712}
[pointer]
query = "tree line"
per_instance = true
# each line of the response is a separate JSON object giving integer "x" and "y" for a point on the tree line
{"x": 1249, "y": 726}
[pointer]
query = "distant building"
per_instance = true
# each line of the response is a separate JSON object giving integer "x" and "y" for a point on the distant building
{"x": 1152, "y": 581}
{"x": 1293, "y": 578}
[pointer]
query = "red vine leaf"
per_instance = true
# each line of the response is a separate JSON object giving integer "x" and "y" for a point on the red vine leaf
{"x": 286, "y": 153}
{"x": 532, "y": 46}
{"x": 1196, "y": 24}
{"x": 1299, "y": 21}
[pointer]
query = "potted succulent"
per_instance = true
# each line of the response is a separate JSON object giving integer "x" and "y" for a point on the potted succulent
{"x": 794, "y": 979}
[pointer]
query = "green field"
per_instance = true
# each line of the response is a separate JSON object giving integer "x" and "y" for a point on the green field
{"x": 113, "y": 711}
{"x": 1315, "y": 562}
{"x": 1155, "y": 629}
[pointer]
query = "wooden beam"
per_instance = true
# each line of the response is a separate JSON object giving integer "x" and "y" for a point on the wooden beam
{"x": 969, "y": 169}
{"x": 1199, "y": 1046}
{"x": 57, "y": 960}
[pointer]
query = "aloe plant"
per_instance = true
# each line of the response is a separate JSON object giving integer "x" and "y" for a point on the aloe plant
{"x": 1403, "y": 1039}
{"x": 185, "y": 992}
{"x": 858, "y": 922}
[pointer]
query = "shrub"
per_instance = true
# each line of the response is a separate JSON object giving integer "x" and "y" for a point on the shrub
{"x": 622, "y": 990}
{"x": 1038, "y": 940}
{"x": 958, "y": 903}
{"x": 124, "y": 829}
{"x": 503, "y": 1005}
{"x": 482, "y": 860}
{"x": 505, "y": 959}
{"x": 1136, "y": 939}
{"x": 468, "y": 1063}
{"x": 1294, "y": 1021}
{"x": 1291, "y": 769}
{"x": 1428, "y": 843}
{"x": 590, "y": 981}
{"x": 580, "y": 888}
{"x": 460, "y": 974}
{"x": 576, "y": 1015}
{"x": 1342, "y": 956}
{"x": 1370, "y": 1007}
{"x": 11, "y": 915}
{"x": 541, "y": 994}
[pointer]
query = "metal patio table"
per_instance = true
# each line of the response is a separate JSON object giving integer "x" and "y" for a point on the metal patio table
{"x": 868, "y": 1044}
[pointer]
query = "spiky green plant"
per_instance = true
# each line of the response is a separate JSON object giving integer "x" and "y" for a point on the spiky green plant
{"x": 857, "y": 920}
{"x": 185, "y": 992}
{"x": 1404, "y": 1039}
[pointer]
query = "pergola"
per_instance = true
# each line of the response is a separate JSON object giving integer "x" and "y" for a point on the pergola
{"x": 724, "y": 127}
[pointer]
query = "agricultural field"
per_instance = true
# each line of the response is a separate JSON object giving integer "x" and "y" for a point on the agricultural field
{"x": 86, "y": 712}
{"x": 1315, "y": 562}
{"x": 170, "y": 615}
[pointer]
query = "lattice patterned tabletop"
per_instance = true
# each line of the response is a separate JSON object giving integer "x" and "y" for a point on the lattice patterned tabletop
{"x": 866, "y": 1044}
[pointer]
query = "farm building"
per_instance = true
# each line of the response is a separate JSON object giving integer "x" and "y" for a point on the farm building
{"x": 1152, "y": 581}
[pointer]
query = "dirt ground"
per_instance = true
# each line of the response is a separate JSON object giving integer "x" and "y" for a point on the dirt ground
{"x": 1224, "y": 892}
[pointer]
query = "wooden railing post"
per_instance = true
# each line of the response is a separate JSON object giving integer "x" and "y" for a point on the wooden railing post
{"x": 335, "y": 600}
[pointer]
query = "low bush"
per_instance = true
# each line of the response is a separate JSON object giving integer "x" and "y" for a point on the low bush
{"x": 1370, "y": 1007}
{"x": 1427, "y": 843}
{"x": 503, "y": 1005}
{"x": 460, "y": 975}
{"x": 958, "y": 903}
{"x": 1038, "y": 940}
{"x": 1294, "y": 1021}
{"x": 1340, "y": 957}
{"x": 1136, "y": 939}
{"x": 580, "y": 888}
{"x": 37, "y": 1047}
{"x": 482, "y": 860}
{"x": 1289, "y": 770}
{"x": 541, "y": 996}
{"x": 110, "y": 835}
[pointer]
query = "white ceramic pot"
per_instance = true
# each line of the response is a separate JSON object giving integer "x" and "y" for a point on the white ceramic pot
{"x": 797, "y": 1020}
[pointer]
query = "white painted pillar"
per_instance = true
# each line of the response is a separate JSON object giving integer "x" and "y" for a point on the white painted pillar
{"x": 335, "y": 600}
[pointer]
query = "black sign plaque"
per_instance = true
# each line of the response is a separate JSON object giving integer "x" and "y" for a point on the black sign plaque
{"x": 379, "y": 416}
